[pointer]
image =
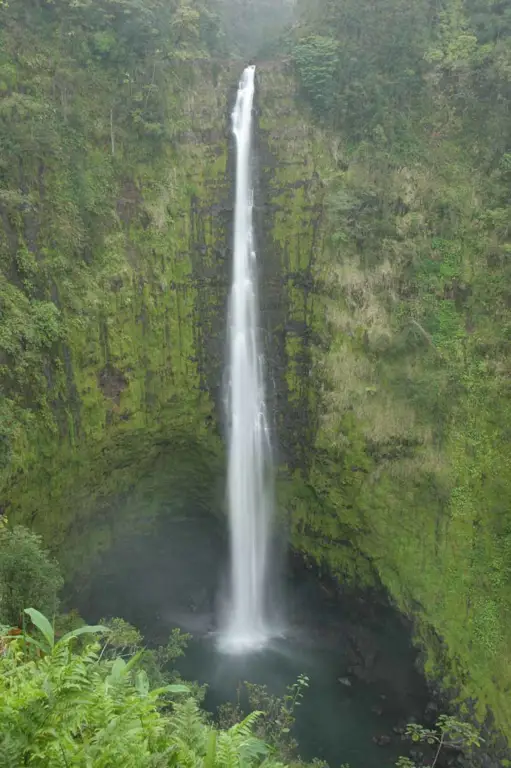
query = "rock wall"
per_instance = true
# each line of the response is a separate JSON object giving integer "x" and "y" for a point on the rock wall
{"x": 138, "y": 371}
{"x": 140, "y": 360}
{"x": 128, "y": 293}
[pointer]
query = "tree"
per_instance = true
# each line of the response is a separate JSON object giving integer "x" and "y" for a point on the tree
{"x": 27, "y": 575}
{"x": 316, "y": 60}
{"x": 448, "y": 732}
{"x": 379, "y": 58}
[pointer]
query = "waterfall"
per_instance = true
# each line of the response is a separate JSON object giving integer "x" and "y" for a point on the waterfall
{"x": 250, "y": 493}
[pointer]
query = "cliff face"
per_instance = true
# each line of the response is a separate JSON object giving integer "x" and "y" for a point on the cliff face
{"x": 394, "y": 421}
{"x": 116, "y": 253}
{"x": 140, "y": 336}
{"x": 133, "y": 373}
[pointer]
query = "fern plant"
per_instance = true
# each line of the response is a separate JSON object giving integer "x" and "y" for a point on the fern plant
{"x": 62, "y": 704}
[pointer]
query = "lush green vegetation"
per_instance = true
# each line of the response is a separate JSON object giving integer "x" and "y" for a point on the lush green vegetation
{"x": 64, "y": 705}
{"x": 412, "y": 480}
{"x": 103, "y": 172}
{"x": 73, "y": 694}
{"x": 27, "y": 575}
{"x": 448, "y": 732}
{"x": 388, "y": 183}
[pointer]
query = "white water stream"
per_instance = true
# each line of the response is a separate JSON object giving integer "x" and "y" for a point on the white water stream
{"x": 250, "y": 492}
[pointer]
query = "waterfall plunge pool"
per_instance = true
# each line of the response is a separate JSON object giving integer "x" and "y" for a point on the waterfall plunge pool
{"x": 355, "y": 650}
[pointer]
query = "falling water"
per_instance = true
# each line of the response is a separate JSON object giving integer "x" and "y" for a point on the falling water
{"x": 249, "y": 485}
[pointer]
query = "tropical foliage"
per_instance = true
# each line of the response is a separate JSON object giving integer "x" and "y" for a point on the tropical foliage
{"x": 62, "y": 705}
{"x": 448, "y": 732}
{"x": 278, "y": 714}
{"x": 112, "y": 257}
{"x": 27, "y": 574}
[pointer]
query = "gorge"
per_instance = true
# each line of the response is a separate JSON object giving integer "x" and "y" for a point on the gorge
{"x": 381, "y": 213}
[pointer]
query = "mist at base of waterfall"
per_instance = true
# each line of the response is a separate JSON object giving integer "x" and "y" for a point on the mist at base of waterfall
{"x": 240, "y": 643}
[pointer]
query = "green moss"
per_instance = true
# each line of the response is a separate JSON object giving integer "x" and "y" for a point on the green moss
{"x": 107, "y": 262}
{"x": 384, "y": 298}
{"x": 402, "y": 474}
{"x": 415, "y": 407}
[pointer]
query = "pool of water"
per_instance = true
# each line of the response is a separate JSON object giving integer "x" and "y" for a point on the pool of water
{"x": 335, "y": 722}
{"x": 355, "y": 650}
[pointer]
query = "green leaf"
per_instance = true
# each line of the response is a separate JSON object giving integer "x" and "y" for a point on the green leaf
{"x": 87, "y": 630}
{"x": 142, "y": 682}
{"x": 209, "y": 761}
{"x": 118, "y": 670}
{"x": 134, "y": 659}
{"x": 43, "y": 625}
{"x": 174, "y": 688}
{"x": 32, "y": 641}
